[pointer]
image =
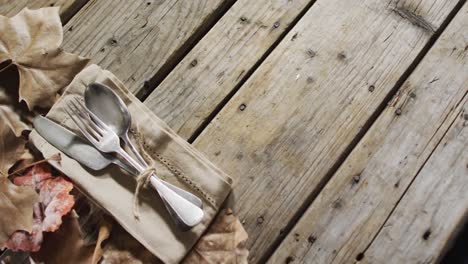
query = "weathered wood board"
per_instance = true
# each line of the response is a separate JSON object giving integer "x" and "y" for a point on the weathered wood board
{"x": 137, "y": 39}
{"x": 219, "y": 62}
{"x": 67, "y": 7}
{"x": 349, "y": 212}
{"x": 292, "y": 121}
{"x": 433, "y": 209}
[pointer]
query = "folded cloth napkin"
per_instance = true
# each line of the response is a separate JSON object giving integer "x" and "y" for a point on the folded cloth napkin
{"x": 112, "y": 189}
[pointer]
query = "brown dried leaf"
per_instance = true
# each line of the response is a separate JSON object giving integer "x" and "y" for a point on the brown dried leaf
{"x": 123, "y": 248}
{"x": 54, "y": 202}
{"x": 224, "y": 242}
{"x": 31, "y": 41}
{"x": 12, "y": 119}
{"x": 11, "y": 146}
{"x": 104, "y": 232}
{"x": 66, "y": 245}
{"x": 16, "y": 202}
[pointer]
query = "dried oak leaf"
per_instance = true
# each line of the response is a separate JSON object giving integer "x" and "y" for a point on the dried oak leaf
{"x": 54, "y": 202}
{"x": 16, "y": 208}
{"x": 224, "y": 242}
{"x": 31, "y": 41}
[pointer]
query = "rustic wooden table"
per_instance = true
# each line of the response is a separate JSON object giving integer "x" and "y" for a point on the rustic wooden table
{"x": 345, "y": 123}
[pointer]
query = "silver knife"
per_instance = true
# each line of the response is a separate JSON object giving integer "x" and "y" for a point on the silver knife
{"x": 87, "y": 155}
{"x": 75, "y": 147}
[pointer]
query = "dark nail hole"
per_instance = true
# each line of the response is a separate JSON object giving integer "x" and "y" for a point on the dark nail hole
{"x": 276, "y": 24}
{"x": 289, "y": 259}
{"x": 311, "y": 53}
{"x": 426, "y": 234}
{"x": 360, "y": 256}
{"x": 371, "y": 88}
{"x": 296, "y": 237}
{"x": 294, "y": 37}
{"x": 311, "y": 239}
{"x": 337, "y": 204}
{"x": 398, "y": 111}
{"x": 243, "y": 19}
{"x": 242, "y": 107}
{"x": 341, "y": 56}
{"x": 356, "y": 178}
{"x": 260, "y": 220}
{"x": 194, "y": 63}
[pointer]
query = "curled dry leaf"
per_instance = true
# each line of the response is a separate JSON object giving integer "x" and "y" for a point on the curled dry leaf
{"x": 31, "y": 41}
{"x": 72, "y": 248}
{"x": 11, "y": 147}
{"x": 16, "y": 202}
{"x": 224, "y": 242}
{"x": 121, "y": 247}
{"x": 54, "y": 202}
{"x": 12, "y": 120}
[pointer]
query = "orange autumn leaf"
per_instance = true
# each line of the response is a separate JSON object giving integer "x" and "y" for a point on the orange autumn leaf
{"x": 54, "y": 202}
{"x": 31, "y": 40}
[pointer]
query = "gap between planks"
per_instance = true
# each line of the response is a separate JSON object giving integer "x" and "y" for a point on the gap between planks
{"x": 68, "y": 8}
{"x": 240, "y": 133}
{"x": 296, "y": 250}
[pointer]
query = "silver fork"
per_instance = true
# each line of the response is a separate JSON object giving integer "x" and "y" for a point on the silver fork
{"x": 105, "y": 140}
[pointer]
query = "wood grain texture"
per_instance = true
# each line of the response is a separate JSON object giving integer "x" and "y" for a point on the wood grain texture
{"x": 433, "y": 209}
{"x": 349, "y": 212}
{"x": 435, "y": 206}
{"x": 291, "y": 122}
{"x": 216, "y": 66}
{"x": 136, "y": 39}
{"x": 67, "y": 7}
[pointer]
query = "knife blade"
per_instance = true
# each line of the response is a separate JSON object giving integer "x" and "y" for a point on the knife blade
{"x": 75, "y": 147}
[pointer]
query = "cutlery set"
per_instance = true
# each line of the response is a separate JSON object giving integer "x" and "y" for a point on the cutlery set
{"x": 104, "y": 121}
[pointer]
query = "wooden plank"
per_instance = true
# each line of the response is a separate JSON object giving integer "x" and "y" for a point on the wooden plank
{"x": 218, "y": 63}
{"x": 341, "y": 223}
{"x": 137, "y": 39}
{"x": 291, "y": 122}
{"x": 67, "y": 7}
{"x": 433, "y": 209}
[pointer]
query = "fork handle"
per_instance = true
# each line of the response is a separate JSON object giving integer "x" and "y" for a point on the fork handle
{"x": 187, "y": 212}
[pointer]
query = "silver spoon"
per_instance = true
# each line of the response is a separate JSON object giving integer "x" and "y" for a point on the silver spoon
{"x": 109, "y": 107}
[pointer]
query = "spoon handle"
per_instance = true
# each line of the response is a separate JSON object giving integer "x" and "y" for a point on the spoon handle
{"x": 183, "y": 210}
{"x": 185, "y": 194}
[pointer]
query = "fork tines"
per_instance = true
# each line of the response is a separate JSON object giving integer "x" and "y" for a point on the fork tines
{"x": 92, "y": 128}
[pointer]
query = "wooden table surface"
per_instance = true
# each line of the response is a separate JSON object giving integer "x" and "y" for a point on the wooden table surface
{"x": 345, "y": 123}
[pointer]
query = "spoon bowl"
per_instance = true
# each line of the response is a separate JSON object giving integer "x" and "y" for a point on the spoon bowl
{"x": 112, "y": 110}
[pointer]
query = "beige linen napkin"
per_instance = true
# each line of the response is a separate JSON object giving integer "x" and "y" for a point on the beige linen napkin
{"x": 112, "y": 189}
